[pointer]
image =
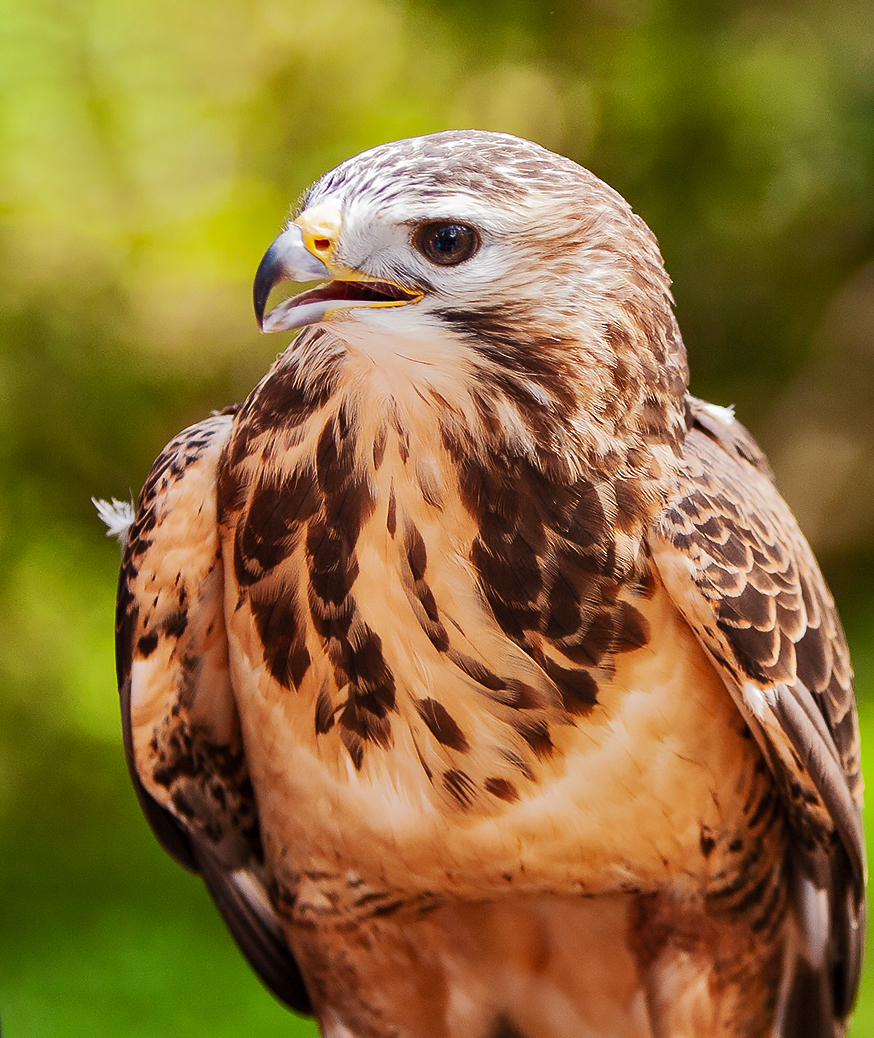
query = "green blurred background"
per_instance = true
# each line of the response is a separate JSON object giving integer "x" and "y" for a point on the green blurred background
{"x": 149, "y": 153}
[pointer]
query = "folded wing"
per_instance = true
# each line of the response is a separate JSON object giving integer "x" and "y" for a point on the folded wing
{"x": 733, "y": 559}
{"x": 181, "y": 728}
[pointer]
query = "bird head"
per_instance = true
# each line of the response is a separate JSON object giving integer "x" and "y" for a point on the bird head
{"x": 495, "y": 259}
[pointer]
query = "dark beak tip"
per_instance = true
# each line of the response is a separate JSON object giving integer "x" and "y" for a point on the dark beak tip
{"x": 266, "y": 277}
{"x": 259, "y": 312}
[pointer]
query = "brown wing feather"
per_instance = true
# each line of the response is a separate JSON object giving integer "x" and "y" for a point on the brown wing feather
{"x": 736, "y": 564}
{"x": 181, "y": 730}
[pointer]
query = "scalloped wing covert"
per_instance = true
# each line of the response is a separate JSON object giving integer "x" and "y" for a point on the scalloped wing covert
{"x": 734, "y": 561}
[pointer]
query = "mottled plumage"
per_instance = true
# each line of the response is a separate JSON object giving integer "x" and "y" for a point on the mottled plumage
{"x": 479, "y": 669}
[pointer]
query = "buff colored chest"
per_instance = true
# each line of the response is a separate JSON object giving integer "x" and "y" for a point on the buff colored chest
{"x": 454, "y": 798}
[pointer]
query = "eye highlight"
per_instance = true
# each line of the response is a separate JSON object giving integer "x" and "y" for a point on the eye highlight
{"x": 445, "y": 243}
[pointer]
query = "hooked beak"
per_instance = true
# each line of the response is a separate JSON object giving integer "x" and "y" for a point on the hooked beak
{"x": 292, "y": 257}
{"x": 287, "y": 259}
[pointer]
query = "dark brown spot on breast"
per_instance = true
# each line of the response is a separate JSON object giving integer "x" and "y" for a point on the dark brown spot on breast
{"x": 403, "y": 439}
{"x": 281, "y": 401}
{"x": 441, "y": 725}
{"x": 519, "y": 763}
{"x": 332, "y": 565}
{"x": 632, "y": 629}
{"x": 349, "y": 499}
{"x": 460, "y": 785}
{"x": 436, "y": 633}
{"x": 501, "y": 788}
{"x": 425, "y": 596}
{"x": 361, "y": 667}
{"x": 268, "y": 532}
{"x": 535, "y": 732}
{"x": 563, "y": 609}
{"x": 279, "y": 627}
{"x": 579, "y": 690}
{"x": 324, "y": 712}
{"x": 426, "y": 612}
{"x": 354, "y": 747}
{"x": 391, "y": 521}
{"x": 594, "y": 639}
{"x": 520, "y": 696}
{"x": 417, "y": 554}
{"x": 476, "y": 670}
{"x": 379, "y": 448}
{"x": 353, "y": 648}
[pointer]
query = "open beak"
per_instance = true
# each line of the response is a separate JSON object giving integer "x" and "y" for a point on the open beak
{"x": 292, "y": 257}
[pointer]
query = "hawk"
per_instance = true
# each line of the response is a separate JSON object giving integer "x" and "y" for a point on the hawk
{"x": 480, "y": 670}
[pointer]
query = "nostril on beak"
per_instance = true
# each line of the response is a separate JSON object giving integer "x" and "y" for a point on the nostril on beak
{"x": 322, "y": 244}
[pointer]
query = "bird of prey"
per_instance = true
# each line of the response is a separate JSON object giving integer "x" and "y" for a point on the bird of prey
{"x": 479, "y": 669}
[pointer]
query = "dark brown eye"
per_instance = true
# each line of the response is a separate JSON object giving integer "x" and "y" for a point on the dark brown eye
{"x": 446, "y": 243}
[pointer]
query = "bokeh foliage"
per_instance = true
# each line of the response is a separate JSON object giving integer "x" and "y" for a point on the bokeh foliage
{"x": 148, "y": 154}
